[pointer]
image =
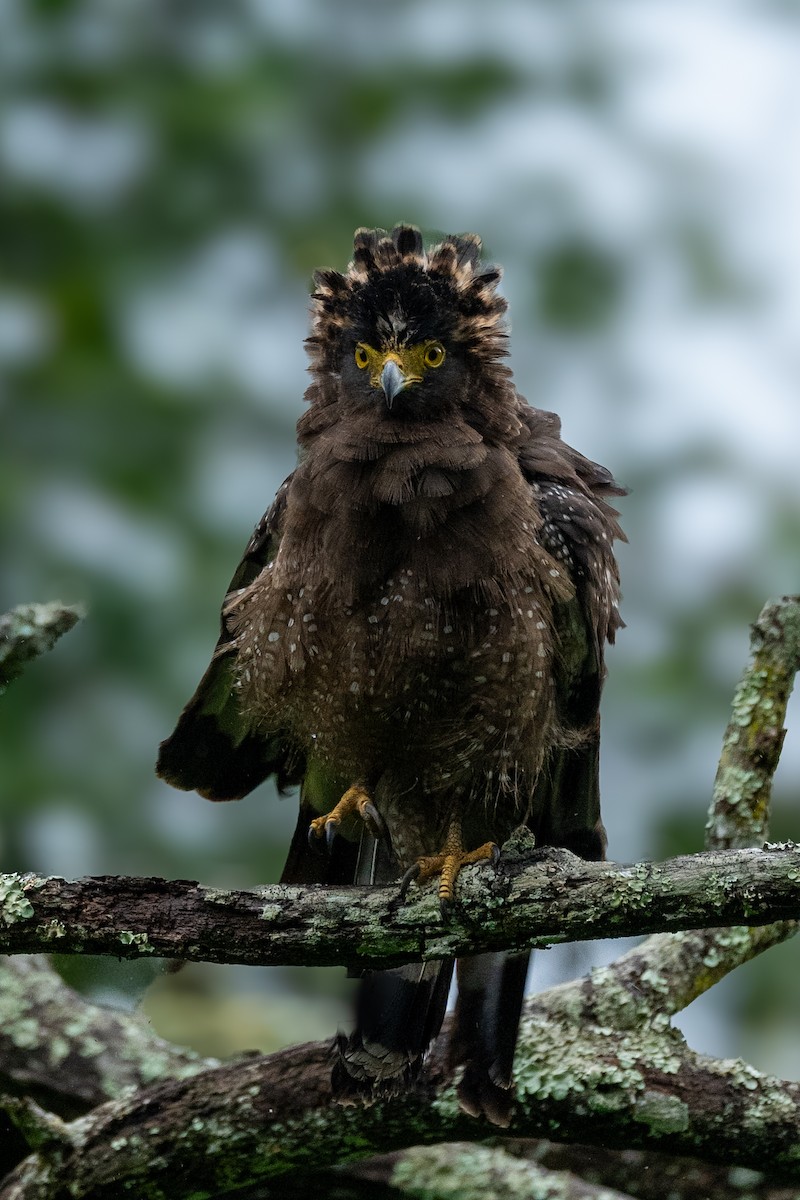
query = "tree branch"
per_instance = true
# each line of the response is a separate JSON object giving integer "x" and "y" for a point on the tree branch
{"x": 29, "y": 630}
{"x": 683, "y": 966}
{"x": 262, "y": 1117}
{"x": 107, "y": 1052}
{"x": 465, "y": 1171}
{"x": 751, "y": 747}
{"x": 72, "y": 1055}
{"x": 529, "y": 900}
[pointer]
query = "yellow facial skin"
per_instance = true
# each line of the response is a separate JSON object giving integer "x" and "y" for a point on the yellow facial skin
{"x": 412, "y": 361}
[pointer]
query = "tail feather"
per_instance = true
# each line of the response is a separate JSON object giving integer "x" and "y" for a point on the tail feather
{"x": 399, "y": 1013}
{"x": 490, "y": 993}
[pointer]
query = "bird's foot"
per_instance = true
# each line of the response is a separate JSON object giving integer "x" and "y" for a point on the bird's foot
{"x": 447, "y": 865}
{"x": 355, "y": 803}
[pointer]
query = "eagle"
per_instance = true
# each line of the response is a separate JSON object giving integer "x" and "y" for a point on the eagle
{"x": 415, "y": 636}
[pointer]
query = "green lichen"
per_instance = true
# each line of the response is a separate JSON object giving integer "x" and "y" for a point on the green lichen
{"x": 470, "y": 1172}
{"x": 661, "y": 1113}
{"x": 140, "y": 940}
{"x": 727, "y": 942}
{"x": 154, "y": 1059}
{"x": 14, "y": 904}
{"x": 29, "y": 630}
{"x": 90, "y": 1047}
{"x": 656, "y": 981}
{"x": 14, "y": 1001}
{"x": 25, "y": 1033}
{"x": 51, "y": 930}
{"x": 57, "y": 1050}
{"x": 77, "y": 1025}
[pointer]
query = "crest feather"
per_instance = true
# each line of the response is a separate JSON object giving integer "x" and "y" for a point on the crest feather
{"x": 453, "y": 266}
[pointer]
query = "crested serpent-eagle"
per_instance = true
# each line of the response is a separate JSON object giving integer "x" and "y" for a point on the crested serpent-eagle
{"x": 415, "y": 636}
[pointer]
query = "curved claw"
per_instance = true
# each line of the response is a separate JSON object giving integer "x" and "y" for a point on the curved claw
{"x": 331, "y": 833}
{"x": 411, "y": 874}
{"x": 374, "y": 821}
{"x": 317, "y": 831}
{"x": 354, "y": 804}
{"x": 321, "y": 834}
{"x": 495, "y": 859}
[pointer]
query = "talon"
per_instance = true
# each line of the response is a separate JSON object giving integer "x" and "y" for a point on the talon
{"x": 447, "y": 866}
{"x": 354, "y": 804}
{"x": 331, "y": 833}
{"x": 317, "y": 830}
{"x": 411, "y": 874}
{"x": 373, "y": 820}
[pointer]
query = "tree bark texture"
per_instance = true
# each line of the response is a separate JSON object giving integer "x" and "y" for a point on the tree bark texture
{"x": 30, "y": 630}
{"x": 531, "y": 899}
{"x": 259, "y": 1119}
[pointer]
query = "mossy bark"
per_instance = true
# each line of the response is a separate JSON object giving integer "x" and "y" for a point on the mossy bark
{"x": 530, "y": 899}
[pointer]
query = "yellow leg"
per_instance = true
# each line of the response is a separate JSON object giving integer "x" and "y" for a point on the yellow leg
{"x": 356, "y": 802}
{"x": 447, "y": 864}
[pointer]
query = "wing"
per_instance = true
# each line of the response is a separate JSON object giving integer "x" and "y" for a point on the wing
{"x": 214, "y": 749}
{"x": 579, "y": 529}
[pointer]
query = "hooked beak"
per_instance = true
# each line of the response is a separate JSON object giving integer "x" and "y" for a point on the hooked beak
{"x": 392, "y": 381}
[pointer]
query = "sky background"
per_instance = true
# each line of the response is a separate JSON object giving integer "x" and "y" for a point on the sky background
{"x": 169, "y": 178}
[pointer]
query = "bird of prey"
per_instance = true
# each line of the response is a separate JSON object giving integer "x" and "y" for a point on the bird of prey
{"x": 415, "y": 636}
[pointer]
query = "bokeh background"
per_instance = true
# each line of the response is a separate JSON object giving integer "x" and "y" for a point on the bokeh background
{"x": 170, "y": 175}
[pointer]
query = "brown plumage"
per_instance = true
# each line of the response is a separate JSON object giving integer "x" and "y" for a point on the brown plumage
{"x": 420, "y": 616}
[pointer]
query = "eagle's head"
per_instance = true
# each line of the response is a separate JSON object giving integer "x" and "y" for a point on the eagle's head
{"x": 405, "y": 331}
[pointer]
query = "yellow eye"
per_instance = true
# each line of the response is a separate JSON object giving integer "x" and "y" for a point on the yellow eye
{"x": 362, "y": 356}
{"x": 434, "y": 355}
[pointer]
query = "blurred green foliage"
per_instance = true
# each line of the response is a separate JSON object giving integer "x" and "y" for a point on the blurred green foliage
{"x": 170, "y": 175}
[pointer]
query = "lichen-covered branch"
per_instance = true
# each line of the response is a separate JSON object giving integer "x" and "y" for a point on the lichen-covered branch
{"x": 645, "y": 1174}
{"x": 529, "y": 900}
{"x": 751, "y": 747}
{"x": 263, "y": 1117}
{"x": 462, "y": 1169}
{"x": 70, "y": 1054}
{"x": 673, "y": 970}
{"x": 465, "y": 1171}
{"x": 29, "y": 630}
{"x": 74, "y": 1055}
{"x": 662, "y": 975}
